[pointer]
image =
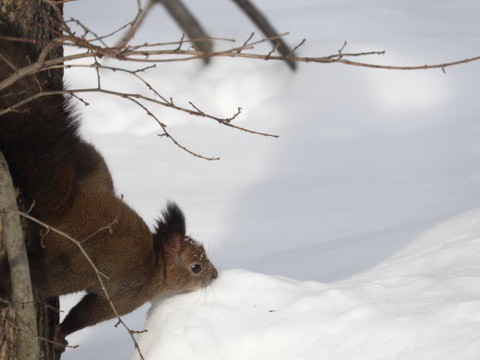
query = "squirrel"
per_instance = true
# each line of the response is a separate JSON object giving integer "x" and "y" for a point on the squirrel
{"x": 65, "y": 183}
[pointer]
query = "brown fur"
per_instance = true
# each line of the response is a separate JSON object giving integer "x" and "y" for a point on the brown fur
{"x": 72, "y": 190}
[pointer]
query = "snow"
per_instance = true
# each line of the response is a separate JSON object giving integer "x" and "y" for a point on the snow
{"x": 355, "y": 234}
{"x": 420, "y": 303}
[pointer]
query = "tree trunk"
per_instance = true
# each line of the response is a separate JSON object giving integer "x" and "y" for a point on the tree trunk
{"x": 37, "y": 21}
{"x": 23, "y": 305}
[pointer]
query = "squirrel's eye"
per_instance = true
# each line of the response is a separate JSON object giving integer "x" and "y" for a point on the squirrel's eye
{"x": 196, "y": 268}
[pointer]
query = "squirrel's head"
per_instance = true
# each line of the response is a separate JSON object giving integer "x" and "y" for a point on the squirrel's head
{"x": 184, "y": 261}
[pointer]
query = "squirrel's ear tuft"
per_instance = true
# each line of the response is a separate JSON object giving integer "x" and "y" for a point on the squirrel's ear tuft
{"x": 171, "y": 223}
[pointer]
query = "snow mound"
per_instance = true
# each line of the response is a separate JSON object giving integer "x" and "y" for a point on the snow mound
{"x": 422, "y": 303}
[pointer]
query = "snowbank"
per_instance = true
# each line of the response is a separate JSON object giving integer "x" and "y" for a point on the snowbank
{"x": 423, "y": 303}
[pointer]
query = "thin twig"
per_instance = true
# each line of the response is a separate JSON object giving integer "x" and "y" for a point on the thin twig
{"x": 108, "y": 226}
{"x": 245, "y": 44}
{"x": 300, "y": 44}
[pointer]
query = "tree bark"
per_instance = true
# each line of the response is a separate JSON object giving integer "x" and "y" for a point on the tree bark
{"x": 26, "y": 341}
{"x": 39, "y": 22}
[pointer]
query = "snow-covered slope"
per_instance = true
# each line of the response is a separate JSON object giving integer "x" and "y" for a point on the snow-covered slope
{"x": 367, "y": 161}
{"x": 423, "y": 303}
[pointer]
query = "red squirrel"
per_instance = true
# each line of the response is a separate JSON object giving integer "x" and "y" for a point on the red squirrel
{"x": 66, "y": 183}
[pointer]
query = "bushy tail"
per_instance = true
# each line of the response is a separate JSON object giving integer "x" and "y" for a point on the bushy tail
{"x": 38, "y": 134}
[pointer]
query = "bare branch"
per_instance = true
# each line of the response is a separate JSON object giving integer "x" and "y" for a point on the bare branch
{"x": 154, "y": 54}
{"x": 441, "y": 66}
{"x": 135, "y": 23}
{"x": 245, "y": 44}
{"x": 300, "y": 44}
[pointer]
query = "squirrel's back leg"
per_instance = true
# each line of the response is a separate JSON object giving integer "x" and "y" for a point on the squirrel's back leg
{"x": 91, "y": 310}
